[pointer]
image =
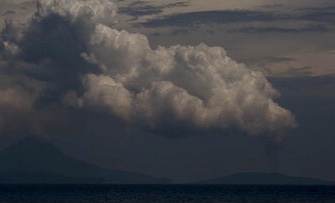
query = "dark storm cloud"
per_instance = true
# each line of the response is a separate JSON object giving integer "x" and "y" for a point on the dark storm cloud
{"x": 324, "y": 17}
{"x": 69, "y": 61}
{"x": 54, "y": 44}
{"x": 140, "y": 8}
{"x": 324, "y": 14}
{"x": 39, "y": 62}
{"x": 204, "y": 17}
{"x": 140, "y": 11}
{"x": 312, "y": 28}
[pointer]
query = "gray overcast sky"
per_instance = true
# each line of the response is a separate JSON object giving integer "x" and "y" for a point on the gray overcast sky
{"x": 291, "y": 42}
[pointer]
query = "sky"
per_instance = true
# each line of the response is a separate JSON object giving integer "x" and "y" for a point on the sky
{"x": 182, "y": 89}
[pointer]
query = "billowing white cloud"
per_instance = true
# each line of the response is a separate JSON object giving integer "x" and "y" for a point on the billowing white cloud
{"x": 178, "y": 87}
{"x": 103, "y": 11}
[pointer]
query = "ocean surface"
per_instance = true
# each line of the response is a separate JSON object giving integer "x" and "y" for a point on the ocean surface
{"x": 166, "y": 193}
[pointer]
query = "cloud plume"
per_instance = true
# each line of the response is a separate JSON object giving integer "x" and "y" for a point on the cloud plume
{"x": 69, "y": 56}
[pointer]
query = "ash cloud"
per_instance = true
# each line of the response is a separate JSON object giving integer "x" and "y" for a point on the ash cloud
{"x": 70, "y": 58}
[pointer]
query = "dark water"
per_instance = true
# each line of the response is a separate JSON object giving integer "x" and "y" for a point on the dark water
{"x": 166, "y": 193}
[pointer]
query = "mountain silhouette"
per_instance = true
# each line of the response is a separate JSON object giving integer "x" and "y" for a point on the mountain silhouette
{"x": 32, "y": 160}
{"x": 255, "y": 178}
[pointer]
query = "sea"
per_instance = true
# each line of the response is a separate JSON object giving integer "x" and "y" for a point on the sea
{"x": 167, "y": 193}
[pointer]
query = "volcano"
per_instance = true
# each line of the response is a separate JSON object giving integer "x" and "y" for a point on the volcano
{"x": 35, "y": 161}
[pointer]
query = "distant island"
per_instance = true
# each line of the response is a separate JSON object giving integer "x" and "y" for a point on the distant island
{"x": 256, "y": 178}
{"x": 34, "y": 161}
